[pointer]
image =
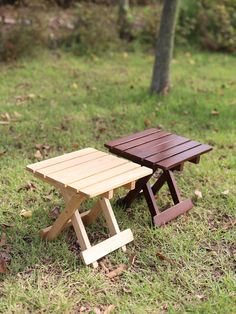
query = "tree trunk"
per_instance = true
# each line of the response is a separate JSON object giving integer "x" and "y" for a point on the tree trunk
{"x": 123, "y": 23}
{"x": 164, "y": 49}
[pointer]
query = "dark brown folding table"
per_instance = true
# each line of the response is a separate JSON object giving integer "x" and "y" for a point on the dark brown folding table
{"x": 158, "y": 149}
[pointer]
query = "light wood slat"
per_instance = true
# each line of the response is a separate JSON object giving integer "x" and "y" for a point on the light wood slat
{"x": 71, "y": 163}
{"x": 58, "y": 159}
{"x": 69, "y": 176}
{"x": 107, "y": 246}
{"x": 132, "y": 137}
{"x": 104, "y": 175}
{"x": 115, "y": 182}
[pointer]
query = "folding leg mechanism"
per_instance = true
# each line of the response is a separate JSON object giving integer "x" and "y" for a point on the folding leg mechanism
{"x": 159, "y": 218}
{"x": 90, "y": 254}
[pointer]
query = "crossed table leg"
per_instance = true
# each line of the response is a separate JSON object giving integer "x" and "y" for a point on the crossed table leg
{"x": 90, "y": 254}
{"x": 159, "y": 218}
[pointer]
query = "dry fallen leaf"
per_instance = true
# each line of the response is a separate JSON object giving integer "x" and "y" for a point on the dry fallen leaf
{"x": 55, "y": 212}
{"x": 2, "y": 152}
{"x": 132, "y": 259}
{"x": 29, "y": 186}
{"x": 226, "y": 192}
{"x": 31, "y": 96}
{"x": 198, "y": 193}
{"x": 214, "y": 112}
{"x": 26, "y": 213}
{"x": 147, "y": 122}
{"x": 3, "y": 239}
{"x": 118, "y": 271}
{"x": 229, "y": 225}
{"x": 3, "y": 268}
{"x": 6, "y": 117}
{"x": 165, "y": 258}
{"x": 38, "y": 155}
{"x": 200, "y": 296}
{"x": 109, "y": 309}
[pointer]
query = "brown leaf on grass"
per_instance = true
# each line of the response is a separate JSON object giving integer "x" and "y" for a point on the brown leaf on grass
{"x": 198, "y": 193}
{"x": 75, "y": 146}
{"x": 6, "y": 117}
{"x": 109, "y": 309}
{"x": 214, "y": 112}
{"x": 229, "y": 225}
{"x": 104, "y": 267}
{"x": 3, "y": 239}
{"x": 132, "y": 259}
{"x": 97, "y": 310}
{"x": 6, "y": 225}
{"x": 29, "y": 186}
{"x": 26, "y": 213}
{"x": 118, "y": 271}
{"x": 226, "y": 192}
{"x": 55, "y": 212}
{"x": 201, "y": 296}
{"x": 2, "y": 152}
{"x": 165, "y": 258}
{"x": 147, "y": 122}
{"x": 3, "y": 267}
{"x": 38, "y": 155}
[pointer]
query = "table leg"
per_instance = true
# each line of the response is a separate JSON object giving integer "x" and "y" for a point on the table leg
{"x": 61, "y": 221}
{"x": 174, "y": 191}
{"x": 133, "y": 194}
{"x": 150, "y": 199}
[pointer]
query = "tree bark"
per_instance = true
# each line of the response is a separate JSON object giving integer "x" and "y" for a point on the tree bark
{"x": 123, "y": 23}
{"x": 165, "y": 43}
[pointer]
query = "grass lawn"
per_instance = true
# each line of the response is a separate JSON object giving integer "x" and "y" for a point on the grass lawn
{"x": 66, "y": 103}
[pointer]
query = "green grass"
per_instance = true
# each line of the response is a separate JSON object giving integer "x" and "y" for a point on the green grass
{"x": 67, "y": 103}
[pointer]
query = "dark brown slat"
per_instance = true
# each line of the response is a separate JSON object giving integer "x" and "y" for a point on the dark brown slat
{"x": 149, "y": 145}
{"x": 173, "y": 151}
{"x": 131, "y": 137}
{"x": 158, "y": 146}
{"x": 172, "y": 212}
{"x": 189, "y": 154}
{"x": 142, "y": 140}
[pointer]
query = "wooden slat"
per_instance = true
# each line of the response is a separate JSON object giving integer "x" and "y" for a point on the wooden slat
{"x": 164, "y": 144}
{"x": 58, "y": 159}
{"x": 172, "y": 151}
{"x": 143, "y": 140}
{"x": 104, "y": 175}
{"x": 115, "y": 182}
{"x": 132, "y": 137}
{"x": 80, "y": 172}
{"x": 175, "y": 160}
{"x": 107, "y": 246}
{"x": 172, "y": 212}
{"x": 71, "y": 163}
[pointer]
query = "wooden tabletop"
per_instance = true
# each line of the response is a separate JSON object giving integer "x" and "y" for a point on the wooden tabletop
{"x": 89, "y": 171}
{"x": 155, "y": 148}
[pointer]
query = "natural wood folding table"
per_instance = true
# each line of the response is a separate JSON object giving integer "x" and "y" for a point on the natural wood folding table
{"x": 85, "y": 174}
{"x": 163, "y": 150}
